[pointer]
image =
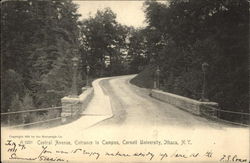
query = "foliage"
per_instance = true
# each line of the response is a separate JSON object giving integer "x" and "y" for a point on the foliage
{"x": 37, "y": 42}
{"x": 103, "y": 43}
{"x": 137, "y": 56}
{"x": 187, "y": 33}
{"x": 12, "y": 87}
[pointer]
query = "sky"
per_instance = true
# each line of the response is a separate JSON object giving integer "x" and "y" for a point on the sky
{"x": 129, "y": 13}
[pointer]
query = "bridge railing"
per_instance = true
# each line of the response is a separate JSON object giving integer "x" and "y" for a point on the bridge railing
{"x": 233, "y": 117}
{"x": 23, "y": 118}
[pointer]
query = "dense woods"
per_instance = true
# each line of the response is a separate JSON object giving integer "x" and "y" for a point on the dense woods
{"x": 191, "y": 32}
{"x": 38, "y": 39}
{"x": 103, "y": 44}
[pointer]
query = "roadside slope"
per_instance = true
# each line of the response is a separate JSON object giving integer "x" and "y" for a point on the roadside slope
{"x": 145, "y": 78}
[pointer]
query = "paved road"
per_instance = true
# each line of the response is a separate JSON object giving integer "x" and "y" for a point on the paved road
{"x": 131, "y": 105}
{"x": 121, "y": 112}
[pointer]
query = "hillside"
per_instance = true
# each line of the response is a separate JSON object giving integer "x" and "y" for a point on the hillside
{"x": 145, "y": 78}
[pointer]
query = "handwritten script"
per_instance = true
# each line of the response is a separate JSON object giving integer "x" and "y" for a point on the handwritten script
{"x": 18, "y": 151}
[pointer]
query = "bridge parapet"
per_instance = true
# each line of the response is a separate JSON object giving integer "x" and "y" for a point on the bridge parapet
{"x": 184, "y": 103}
{"x": 73, "y": 106}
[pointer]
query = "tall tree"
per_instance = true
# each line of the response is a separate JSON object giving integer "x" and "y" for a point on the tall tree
{"x": 37, "y": 42}
{"x": 192, "y": 32}
{"x": 137, "y": 54}
{"x": 103, "y": 40}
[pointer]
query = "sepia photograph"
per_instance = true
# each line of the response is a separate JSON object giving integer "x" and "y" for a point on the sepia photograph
{"x": 125, "y": 81}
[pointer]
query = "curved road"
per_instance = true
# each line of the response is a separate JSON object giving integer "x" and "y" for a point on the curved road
{"x": 122, "y": 112}
{"x": 132, "y": 105}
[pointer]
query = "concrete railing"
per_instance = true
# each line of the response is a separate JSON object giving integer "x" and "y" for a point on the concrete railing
{"x": 73, "y": 106}
{"x": 184, "y": 103}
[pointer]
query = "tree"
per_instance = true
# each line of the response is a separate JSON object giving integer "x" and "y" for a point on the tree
{"x": 102, "y": 42}
{"x": 37, "y": 42}
{"x": 12, "y": 86}
{"x": 192, "y": 32}
{"x": 137, "y": 54}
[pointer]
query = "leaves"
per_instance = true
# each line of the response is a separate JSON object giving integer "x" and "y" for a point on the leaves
{"x": 37, "y": 40}
{"x": 184, "y": 34}
{"x": 103, "y": 41}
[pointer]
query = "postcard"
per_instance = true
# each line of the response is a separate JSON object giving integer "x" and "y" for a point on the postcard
{"x": 124, "y": 81}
